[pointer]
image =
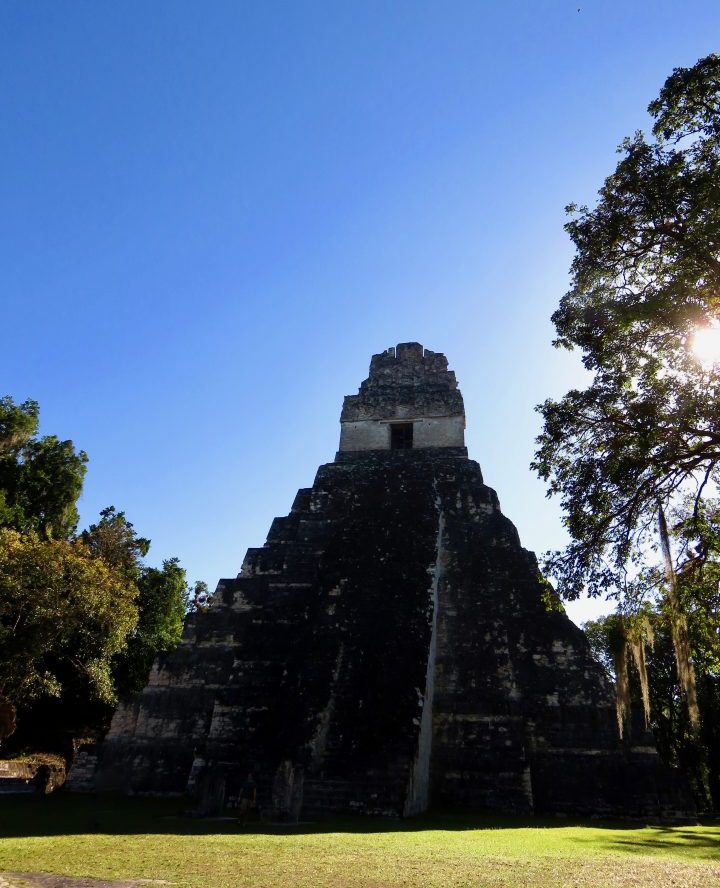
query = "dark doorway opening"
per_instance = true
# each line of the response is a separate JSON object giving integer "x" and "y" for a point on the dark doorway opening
{"x": 401, "y": 436}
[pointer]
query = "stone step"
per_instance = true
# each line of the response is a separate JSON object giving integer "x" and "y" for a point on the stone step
{"x": 16, "y": 786}
{"x": 350, "y": 795}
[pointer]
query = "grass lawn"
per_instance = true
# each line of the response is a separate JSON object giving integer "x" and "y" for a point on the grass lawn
{"x": 145, "y": 839}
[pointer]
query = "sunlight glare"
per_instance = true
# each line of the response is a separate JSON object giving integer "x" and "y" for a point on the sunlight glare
{"x": 706, "y": 344}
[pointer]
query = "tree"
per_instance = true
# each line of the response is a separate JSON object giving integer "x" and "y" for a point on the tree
{"x": 162, "y": 596}
{"x": 82, "y": 617}
{"x": 646, "y": 271}
{"x": 638, "y": 652}
{"x": 641, "y": 444}
{"x": 619, "y": 641}
{"x": 18, "y": 424}
{"x": 114, "y": 540}
{"x": 163, "y": 599}
{"x": 40, "y": 478}
{"x": 62, "y": 612}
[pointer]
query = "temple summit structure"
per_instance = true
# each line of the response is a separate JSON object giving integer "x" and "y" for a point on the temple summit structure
{"x": 391, "y": 647}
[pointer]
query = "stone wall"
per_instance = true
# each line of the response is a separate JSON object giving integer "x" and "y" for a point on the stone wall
{"x": 406, "y": 384}
{"x": 406, "y": 381}
{"x": 31, "y": 776}
{"x": 373, "y": 434}
{"x": 83, "y": 772}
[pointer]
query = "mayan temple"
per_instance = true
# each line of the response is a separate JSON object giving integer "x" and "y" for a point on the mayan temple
{"x": 391, "y": 647}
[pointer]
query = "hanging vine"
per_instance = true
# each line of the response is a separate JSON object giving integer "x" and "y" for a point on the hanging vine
{"x": 640, "y": 635}
{"x": 626, "y": 637}
{"x": 618, "y": 646}
{"x": 678, "y": 625}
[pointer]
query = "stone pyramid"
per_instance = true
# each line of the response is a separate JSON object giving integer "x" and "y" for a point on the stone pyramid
{"x": 390, "y": 647}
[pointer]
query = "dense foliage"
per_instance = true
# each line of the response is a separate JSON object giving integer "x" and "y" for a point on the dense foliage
{"x": 646, "y": 273}
{"x": 61, "y": 610}
{"x": 40, "y": 478}
{"x": 646, "y": 270}
{"x": 82, "y": 617}
{"x": 637, "y": 650}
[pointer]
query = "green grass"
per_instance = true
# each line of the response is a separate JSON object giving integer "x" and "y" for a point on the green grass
{"x": 145, "y": 839}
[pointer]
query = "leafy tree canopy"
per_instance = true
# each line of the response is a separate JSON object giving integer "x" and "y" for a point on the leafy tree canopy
{"x": 163, "y": 596}
{"x": 40, "y": 478}
{"x": 81, "y": 617}
{"x": 647, "y": 265}
{"x": 114, "y": 540}
{"x": 163, "y": 600}
{"x": 644, "y": 434}
{"x": 61, "y": 610}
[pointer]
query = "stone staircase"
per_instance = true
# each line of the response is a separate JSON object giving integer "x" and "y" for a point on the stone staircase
{"x": 323, "y": 795}
{"x": 16, "y": 786}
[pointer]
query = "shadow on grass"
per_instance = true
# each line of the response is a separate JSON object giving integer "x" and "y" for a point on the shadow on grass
{"x": 699, "y": 844}
{"x": 66, "y": 814}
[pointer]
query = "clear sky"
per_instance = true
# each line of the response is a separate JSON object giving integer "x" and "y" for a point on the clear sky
{"x": 214, "y": 213}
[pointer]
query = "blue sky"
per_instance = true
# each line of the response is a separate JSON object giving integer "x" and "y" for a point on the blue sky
{"x": 215, "y": 212}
